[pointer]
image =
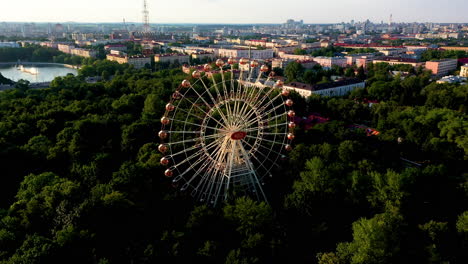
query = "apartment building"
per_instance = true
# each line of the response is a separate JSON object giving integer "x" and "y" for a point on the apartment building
{"x": 137, "y": 61}
{"x": 171, "y": 58}
{"x": 442, "y": 67}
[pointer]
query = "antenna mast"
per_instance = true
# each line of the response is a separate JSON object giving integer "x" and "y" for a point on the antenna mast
{"x": 146, "y": 26}
{"x": 125, "y": 25}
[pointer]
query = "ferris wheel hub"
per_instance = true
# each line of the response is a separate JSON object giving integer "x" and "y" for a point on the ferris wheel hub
{"x": 239, "y": 135}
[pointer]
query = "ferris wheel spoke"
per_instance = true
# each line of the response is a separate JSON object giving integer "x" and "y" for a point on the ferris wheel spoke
{"x": 221, "y": 184}
{"x": 198, "y": 172}
{"x": 208, "y": 181}
{"x": 247, "y": 104}
{"x": 273, "y": 134}
{"x": 270, "y": 150}
{"x": 263, "y": 115}
{"x": 217, "y": 136}
{"x": 206, "y": 113}
{"x": 195, "y": 174}
{"x": 189, "y": 158}
{"x": 263, "y": 155}
{"x": 259, "y": 103}
{"x": 263, "y": 139}
{"x": 277, "y": 117}
{"x": 260, "y": 73}
{"x": 265, "y": 127}
{"x": 207, "y": 90}
{"x": 202, "y": 126}
{"x": 253, "y": 177}
{"x": 261, "y": 163}
{"x": 266, "y": 113}
{"x": 226, "y": 94}
{"x": 189, "y": 169}
{"x": 251, "y": 69}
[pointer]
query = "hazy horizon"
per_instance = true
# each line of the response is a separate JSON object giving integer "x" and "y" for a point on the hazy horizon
{"x": 228, "y": 12}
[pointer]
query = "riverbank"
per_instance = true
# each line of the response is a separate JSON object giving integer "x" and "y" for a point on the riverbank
{"x": 26, "y": 63}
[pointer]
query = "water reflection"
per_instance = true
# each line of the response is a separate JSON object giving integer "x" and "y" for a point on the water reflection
{"x": 35, "y": 74}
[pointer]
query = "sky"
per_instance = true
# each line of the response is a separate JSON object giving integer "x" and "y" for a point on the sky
{"x": 234, "y": 11}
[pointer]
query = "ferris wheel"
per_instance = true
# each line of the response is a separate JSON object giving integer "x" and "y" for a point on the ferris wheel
{"x": 222, "y": 133}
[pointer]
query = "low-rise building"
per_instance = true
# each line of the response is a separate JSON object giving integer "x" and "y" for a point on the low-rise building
{"x": 137, "y": 61}
{"x": 452, "y": 79}
{"x": 393, "y": 52}
{"x": 87, "y": 53}
{"x": 288, "y": 56}
{"x": 303, "y": 89}
{"x": 118, "y": 47}
{"x": 209, "y": 56}
{"x": 307, "y": 64}
{"x": 442, "y": 67}
{"x": 118, "y": 58}
{"x": 280, "y": 63}
{"x": 171, "y": 58}
{"x": 398, "y": 61}
{"x": 327, "y": 62}
{"x": 363, "y": 62}
{"x": 65, "y": 48}
{"x": 289, "y": 49}
{"x": 338, "y": 88}
{"x": 353, "y": 59}
{"x": 464, "y": 70}
{"x": 235, "y": 41}
{"x": 246, "y": 53}
{"x": 283, "y": 63}
{"x": 49, "y": 44}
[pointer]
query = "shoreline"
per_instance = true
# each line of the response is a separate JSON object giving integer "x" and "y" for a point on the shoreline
{"x": 42, "y": 63}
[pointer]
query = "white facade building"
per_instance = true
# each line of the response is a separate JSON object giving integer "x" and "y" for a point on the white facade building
{"x": 338, "y": 88}
{"x": 464, "y": 70}
{"x": 327, "y": 62}
{"x": 245, "y": 53}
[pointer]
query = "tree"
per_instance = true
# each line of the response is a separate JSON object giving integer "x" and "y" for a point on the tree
{"x": 435, "y": 231}
{"x": 349, "y": 72}
{"x": 300, "y": 52}
{"x": 278, "y": 71}
{"x": 294, "y": 71}
{"x": 4, "y": 80}
{"x": 375, "y": 240}
{"x": 248, "y": 216}
{"x": 105, "y": 75}
{"x": 324, "y": 80}
{"x": 462, "y": 223}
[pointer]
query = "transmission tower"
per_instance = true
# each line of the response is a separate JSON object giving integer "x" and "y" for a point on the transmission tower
{"x": 146, "y": 25}
{"x": 125, "y": 25}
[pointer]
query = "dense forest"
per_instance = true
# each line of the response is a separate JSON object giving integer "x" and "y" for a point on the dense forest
{"x": 81, "y": 180}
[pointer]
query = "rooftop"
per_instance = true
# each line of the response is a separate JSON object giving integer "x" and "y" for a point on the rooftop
{"x": 115, "y": 45}
{"x": 323, "y": 86}
{"x": 339, "y": 83}
{"x": 396, "y": 59}
{"x": 170, "y": 55}
{"x": 442, "y": 60}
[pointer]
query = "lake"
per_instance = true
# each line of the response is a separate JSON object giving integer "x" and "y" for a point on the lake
{"x": 44, "y": 73}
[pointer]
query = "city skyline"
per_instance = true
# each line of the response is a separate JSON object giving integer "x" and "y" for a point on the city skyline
{"x": 274, "y": 12}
